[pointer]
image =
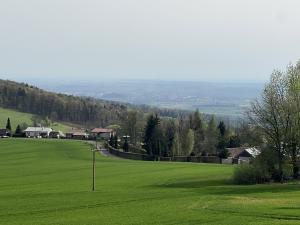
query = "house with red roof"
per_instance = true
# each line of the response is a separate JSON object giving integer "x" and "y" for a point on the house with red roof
{"x": 103, "y": 133}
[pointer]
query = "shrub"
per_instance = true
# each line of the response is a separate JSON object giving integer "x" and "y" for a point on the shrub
{"x": 250, "y": 174}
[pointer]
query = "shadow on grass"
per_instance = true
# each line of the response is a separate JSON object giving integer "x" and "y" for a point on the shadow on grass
{"x": 226, "y": 187}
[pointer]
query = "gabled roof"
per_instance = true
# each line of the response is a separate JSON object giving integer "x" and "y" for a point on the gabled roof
{"x": 38, "y": 129}
{"x": 243, "y": 152}
{"x": 253, "y": 151}
{"x": 101, "y": 130}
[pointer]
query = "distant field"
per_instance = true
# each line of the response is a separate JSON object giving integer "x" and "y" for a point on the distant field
{"x": 19, "y": 118}
{"x": 49, "y": 182}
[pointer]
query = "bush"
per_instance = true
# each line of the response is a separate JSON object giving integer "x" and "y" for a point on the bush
{"x": 250, "y": 174}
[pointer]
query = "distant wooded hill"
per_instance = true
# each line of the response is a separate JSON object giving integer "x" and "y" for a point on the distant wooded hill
{"x": 62, "y": 107}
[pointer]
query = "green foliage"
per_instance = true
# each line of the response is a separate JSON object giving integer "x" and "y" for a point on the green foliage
{"x": 190, "y": 141}
{"x": 277, "y": 115}
{"x": 130, "y": 126}
{"x": 18, "y": 130}
{"x": 169, "y": 128}
{"x": 126, "y": 145}
{"x": 8, "y": 125}
{"x": 246, "y": 174}
{"x": 222, "y": 129}
{"x": 223, "y": 153}
{"x": 175, "y": 145}
{"x": 197, "y": 126}
{"x": 211, "y": 138}
{"x": 152, "y": 137}
{"x": 234, "y": 142}
{"x": 59, "y": 107}
{"x": 115, "y": 141}
{"x": 25, "y": 120}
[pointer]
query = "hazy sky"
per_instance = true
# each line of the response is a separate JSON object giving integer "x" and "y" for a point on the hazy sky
{"x": 147, "y": 39}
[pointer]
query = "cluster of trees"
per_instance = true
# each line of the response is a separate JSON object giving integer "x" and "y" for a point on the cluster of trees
{"x": 187, "y": 136}
{"x": 277, "y": 117}
{"x": 17, "y": 133}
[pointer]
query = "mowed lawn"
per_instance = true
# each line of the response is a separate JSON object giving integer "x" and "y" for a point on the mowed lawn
{"x": 49, "y": 182}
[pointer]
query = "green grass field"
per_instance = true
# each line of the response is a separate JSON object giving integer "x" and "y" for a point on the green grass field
{"x": 49, "y": 182}
{"x": 19, "y": 118}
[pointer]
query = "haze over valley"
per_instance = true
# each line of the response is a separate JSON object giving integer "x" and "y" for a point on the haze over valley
{"x": 220, "y": 98}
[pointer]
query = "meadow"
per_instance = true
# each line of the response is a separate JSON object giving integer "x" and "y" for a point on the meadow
{"x": 18, "y": 118}
{"x": 49, "y": 182}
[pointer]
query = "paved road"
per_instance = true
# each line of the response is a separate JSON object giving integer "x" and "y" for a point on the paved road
{"x": 102, "y": 150}
{"x": 105, "y": 152}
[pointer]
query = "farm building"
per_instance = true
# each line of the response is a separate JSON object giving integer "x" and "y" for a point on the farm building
{"x": 4, "y": 133}
{"x": 102, "y": 133}
{"x": 57, "y": 134}
{"x": 38, "y": 132}
{"x": 77, "y": 134}
{"x": 243, "y": 154}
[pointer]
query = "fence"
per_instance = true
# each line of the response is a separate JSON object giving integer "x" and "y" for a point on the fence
{"x": 129, "y": 155}
{"x": 136, "y": 156}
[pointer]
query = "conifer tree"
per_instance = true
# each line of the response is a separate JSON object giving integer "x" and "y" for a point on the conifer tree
{"x": 18, "y": 130}
{"x": 197, "y": 126}
{"x": 211, "y": 137}
{"x": 8, "y": 125}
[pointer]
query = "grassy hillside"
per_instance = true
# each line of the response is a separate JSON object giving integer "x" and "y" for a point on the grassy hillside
{"x": 49, "y": 182}
{"x": 19, "y": 118}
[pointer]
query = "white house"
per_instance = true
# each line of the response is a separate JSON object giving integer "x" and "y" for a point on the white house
{"x": 37, "y": 131}
{"x": 242, "y": 154}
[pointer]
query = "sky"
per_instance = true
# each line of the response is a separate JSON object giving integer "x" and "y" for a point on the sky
{"x": 205, "y": 40}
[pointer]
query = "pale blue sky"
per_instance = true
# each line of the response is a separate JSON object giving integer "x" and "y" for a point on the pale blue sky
{"x": 147, "y": 39}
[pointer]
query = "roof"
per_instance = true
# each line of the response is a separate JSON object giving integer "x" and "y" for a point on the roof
{"x": 101, "y": 130}
{"x": 4, "y": 132}
{"x": 253, "y": 151}
{"x": 80, "y": 134}
{"x": 243, "y": 152}
{"x": 75, "y": 130}
{"x": 38, "y": 129}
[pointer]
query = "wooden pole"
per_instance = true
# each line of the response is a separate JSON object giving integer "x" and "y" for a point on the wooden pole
{"x": 94, "y": 151}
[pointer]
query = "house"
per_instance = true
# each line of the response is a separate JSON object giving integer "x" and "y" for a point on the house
{"x": 102, "y": 133}
{"x": 242, "y": 154}
{"x": 4, "y": 133}
{"x": 38, "y": 132}
{"x": 77, "y": 134}
{"x": 57, "y": 134}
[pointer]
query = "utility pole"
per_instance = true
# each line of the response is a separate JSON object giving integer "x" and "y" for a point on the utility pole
{"x": 96, "y": 143}
{"x": 94, "y": 152}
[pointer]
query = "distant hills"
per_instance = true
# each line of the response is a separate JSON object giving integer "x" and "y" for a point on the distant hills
{"x": 220, "y": 98}
{"x": 82, "y": 104}
{"x": 85, "y": 111}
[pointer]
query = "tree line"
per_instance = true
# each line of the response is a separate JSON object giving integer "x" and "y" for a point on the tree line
{"x": 186, "y": 135}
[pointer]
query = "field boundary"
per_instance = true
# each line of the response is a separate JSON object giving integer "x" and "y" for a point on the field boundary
{"x": 144, "y": 157}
